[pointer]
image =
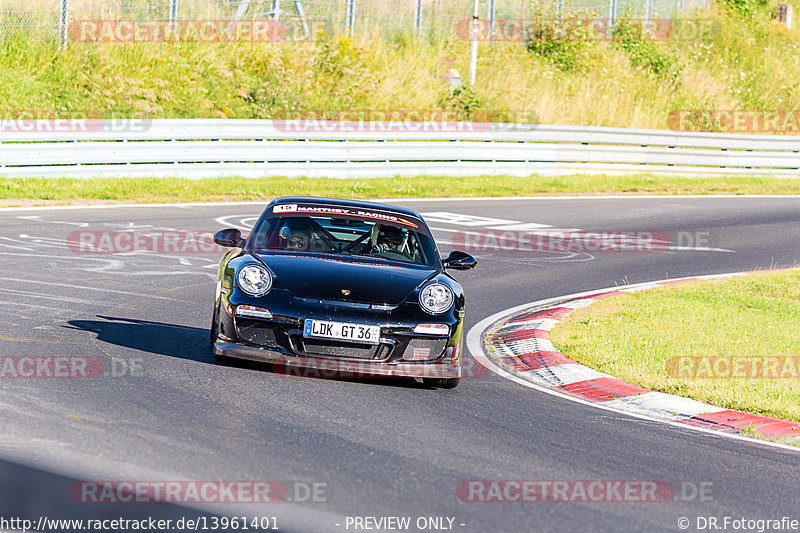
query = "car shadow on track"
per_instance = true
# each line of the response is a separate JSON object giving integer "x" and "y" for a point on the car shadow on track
{"x": 186, "y": 342}
{"x": 30, "y": 493}
{"x": 160, "y": 338}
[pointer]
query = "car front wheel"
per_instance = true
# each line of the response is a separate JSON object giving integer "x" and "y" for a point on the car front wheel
{"x": 214, "y": 333}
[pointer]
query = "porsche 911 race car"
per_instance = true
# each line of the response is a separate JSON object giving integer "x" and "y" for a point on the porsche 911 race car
{"x": 348, "y": 287}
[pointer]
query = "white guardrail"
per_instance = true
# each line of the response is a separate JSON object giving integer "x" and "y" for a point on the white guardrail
{"x": 198, "y": 148}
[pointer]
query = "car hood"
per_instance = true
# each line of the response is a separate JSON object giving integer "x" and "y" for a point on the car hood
{"x": 327, "y": 278}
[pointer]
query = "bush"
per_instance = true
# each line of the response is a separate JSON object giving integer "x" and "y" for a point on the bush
{"x": 562, "y": 43}
{"x": 463, "y": 100}
{"x": 629, "y": 35}
{"x": 744, "y": 8}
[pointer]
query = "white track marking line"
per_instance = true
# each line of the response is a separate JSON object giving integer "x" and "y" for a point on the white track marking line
{"x": 49, "y": 242}
{"x": 14, "y": 246}
{"x": 242, "y": 219}
{"x": 522, "y": 226}
{"x": 699, "y": 249}
{"x": 37, "y": 218}
{"x": 82, "y": 287}
{"x": 39, "y": 296}
{"x": 117, "y": 206}
{"x": 551, "y": 230}
{"x": 461, "y": 219}
{"x": 545, "y": 232}
{"x": 475, "y": 347}
{"x": 109, "y": 263}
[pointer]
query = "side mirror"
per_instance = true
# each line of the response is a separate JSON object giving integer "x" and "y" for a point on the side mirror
{"x": 229, "y": 237}
{"x": 458, "y": 260}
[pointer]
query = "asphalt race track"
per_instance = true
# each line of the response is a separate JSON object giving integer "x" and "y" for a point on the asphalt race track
{"x": 164, "y": 410}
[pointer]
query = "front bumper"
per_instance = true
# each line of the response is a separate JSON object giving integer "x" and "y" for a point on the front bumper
{"x": 324, "y": 366}
{"x": 279, "y": 339}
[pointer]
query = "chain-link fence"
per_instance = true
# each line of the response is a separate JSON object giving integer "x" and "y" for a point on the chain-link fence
{"x": 302, "y": 19}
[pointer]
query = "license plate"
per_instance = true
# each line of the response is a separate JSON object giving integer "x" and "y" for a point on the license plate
{"x": 342, "y": 331}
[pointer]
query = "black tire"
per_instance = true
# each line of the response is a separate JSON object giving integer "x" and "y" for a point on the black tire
{"x": 214, "y": 326}
{"x": 442, "y": 383}
{"x": 213, "y": 335}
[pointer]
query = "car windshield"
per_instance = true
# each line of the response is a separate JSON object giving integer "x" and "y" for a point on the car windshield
{"x": 345, "y": 235}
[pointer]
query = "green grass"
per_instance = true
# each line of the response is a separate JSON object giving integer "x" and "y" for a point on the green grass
{"x": 36, "y": 191}
{"x": 705, "y": 340}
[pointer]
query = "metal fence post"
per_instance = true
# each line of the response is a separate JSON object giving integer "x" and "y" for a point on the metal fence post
{"x": 240, "y": 11}
{"x": 649, "y": 14}
{"x": 173, "y": 12}
{"x": 473, "y": 46}
{"x": 418, "y": 18}
{"x": 298, "y": 4}
{"x": 560, "y": 8}
{"x": 276, "y": 9}
{"x": 491, "y": 13}
{"x": 351, "y": 15}
{"x": 63, "y": 22}
{"x": 612, "y": 12}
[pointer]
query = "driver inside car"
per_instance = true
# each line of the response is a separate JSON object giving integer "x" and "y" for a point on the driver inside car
{"x": 296, "y": 238}
{"x": 389, "y": 239}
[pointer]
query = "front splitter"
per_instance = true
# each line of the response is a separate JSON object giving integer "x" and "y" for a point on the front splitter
{"x": 338, "y": 367}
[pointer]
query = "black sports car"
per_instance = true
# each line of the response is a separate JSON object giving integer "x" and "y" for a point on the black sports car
{"x": 352, "y": 288}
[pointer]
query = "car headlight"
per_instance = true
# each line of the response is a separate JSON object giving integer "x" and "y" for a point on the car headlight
{"x": 255, "y": 280}
{"x": 436, "y": 298}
